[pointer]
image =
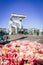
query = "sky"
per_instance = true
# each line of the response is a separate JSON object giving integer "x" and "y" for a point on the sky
{"x": 33, "y": 9}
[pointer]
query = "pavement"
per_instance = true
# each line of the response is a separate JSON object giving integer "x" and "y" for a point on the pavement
{"x": 27, "y": 37}
{"x": 24, "y": 37}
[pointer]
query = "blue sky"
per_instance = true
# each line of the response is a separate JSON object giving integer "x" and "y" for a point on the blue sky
{"x": 33, "y": 9}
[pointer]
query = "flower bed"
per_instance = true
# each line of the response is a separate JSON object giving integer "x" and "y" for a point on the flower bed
{"x": 22, "y": 52}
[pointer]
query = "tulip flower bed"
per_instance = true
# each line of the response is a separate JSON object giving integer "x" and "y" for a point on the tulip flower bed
{"x": 22, "y": 52}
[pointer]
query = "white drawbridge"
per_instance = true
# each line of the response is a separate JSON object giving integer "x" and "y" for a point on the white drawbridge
{"x": 13, "y": 23}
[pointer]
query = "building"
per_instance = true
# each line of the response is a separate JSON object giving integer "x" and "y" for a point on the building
{"x": 3, "y": 29}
